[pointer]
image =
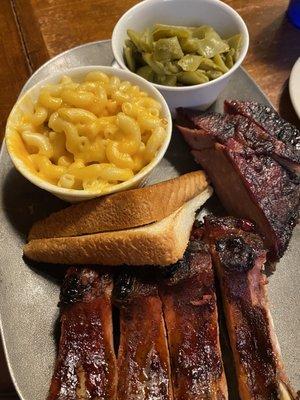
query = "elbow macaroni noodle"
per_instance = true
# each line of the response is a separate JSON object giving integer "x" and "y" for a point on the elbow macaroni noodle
{"x": 93, "y": 134}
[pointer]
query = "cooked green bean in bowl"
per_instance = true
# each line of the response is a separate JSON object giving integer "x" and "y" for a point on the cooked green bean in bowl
{"x": 174, "y": 55}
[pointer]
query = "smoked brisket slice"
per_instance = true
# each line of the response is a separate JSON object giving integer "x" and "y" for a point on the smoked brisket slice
{"x": 191, "y": 317}
{"x": 249, "y": 183}
{"x": 143, "y": 356}
{"x": 239, "y": 257}
{"x": 86, "y": 364}
{"x": 284, "y": 138}
{"x": 254, "y": 187}
{"x": 222, "y": 127}
{"x": 266, "y": 118}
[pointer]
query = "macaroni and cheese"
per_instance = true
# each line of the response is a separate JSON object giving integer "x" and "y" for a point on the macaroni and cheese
{"x": 91, "y": 134}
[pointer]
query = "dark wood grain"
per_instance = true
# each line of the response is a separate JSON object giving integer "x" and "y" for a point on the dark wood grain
{"x": 68, "y": 23}
{"x": 34, "y": 46}
{"x": 14, "y": 67}
{"x": 31, "y": 31}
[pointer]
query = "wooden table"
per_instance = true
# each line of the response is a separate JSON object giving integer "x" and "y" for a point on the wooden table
{"x": 32, "y": 31}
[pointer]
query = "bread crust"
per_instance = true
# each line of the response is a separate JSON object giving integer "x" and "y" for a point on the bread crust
{"x": 122, "y": 210}
{"x": 160, "y": 243}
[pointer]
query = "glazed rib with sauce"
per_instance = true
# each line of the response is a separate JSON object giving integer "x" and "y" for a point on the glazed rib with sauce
{"x": 143, "y": 356}
{"x": 86, "y": 363}
{"x": 190, "y": 311}
{"x": 239, "y": 257}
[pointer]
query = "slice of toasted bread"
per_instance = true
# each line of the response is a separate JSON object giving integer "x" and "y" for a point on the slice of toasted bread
{"x": 123, "y": 210}
{"x": 159, "y": 243}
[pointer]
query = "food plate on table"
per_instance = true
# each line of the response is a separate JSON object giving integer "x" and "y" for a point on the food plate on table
{"x": 30, "y": 293}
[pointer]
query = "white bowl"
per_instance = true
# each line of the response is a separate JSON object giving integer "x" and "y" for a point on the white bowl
{"x": 25, "y": 104}
{"x": 225, "y": 20}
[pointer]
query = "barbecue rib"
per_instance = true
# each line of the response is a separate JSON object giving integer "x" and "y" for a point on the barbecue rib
{"x": 143, "y": 356}
{"x": 248, "y": 182}
{"x": 239, "y": 257}
{"x": 190, "y": 311}
{"x": 86, "y": 364}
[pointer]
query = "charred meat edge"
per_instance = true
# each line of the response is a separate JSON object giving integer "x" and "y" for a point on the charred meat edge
{"x": 267, "y": 119}
{"x": 243, "y": 127}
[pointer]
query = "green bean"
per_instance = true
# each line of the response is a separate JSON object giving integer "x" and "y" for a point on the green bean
{"x": 167, "y": 49}
{"x": 135, "y": 38}
{"x": 140, "y": 40}
{"x": 179, "y": 55}
{"x": 192, "y": 77}
{"x": 189, "y": 45}
{"x": 208, "y": 64}
{"x": 235, "y": 42}
{"x": 201, "y": 31}
{"x": 166, "y": 31}
{"x": 130, "y": 61}
{"x": 212, "y": 74}
{"x": 211, "y": 45}
{"x": 146, "y": 72}
{"x": 157, "y": 66}
{"x": 171, "y": 67}
{"x": 147, "y": 40}
{"x": 168, "y": 80}
{"x": 218, "y": 60}
{"x": 189, "y": 62}
{"x": 229, "y": 58}
{"x": 129, "y": 43}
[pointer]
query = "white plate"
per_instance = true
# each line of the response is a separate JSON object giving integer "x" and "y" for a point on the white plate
{"x": 294, "y": 87}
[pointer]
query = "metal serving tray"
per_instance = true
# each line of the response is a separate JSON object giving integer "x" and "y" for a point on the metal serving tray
{"x": 29, "y": 293}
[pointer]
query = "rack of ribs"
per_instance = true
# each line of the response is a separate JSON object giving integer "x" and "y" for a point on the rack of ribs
{"x": 86, "y": 364}
{"x": 143, "y": 355}
{"x": 190, "y": 311}
{"x": 239, "y": 158}
{"x": 239, "y": 257}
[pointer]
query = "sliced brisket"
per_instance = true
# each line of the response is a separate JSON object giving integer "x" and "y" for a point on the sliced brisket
{"x": 284, "y": 138}
{"x": 267, "y": 119}
{"x": 246, "y": 176}
{"x": 245, "y": 130}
